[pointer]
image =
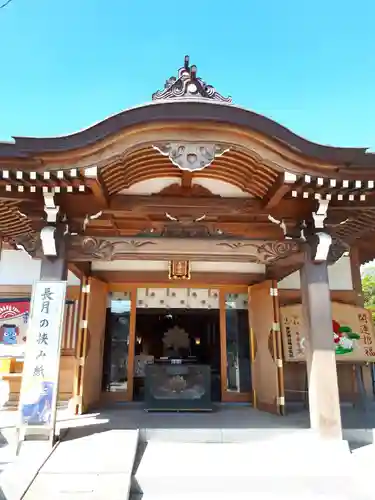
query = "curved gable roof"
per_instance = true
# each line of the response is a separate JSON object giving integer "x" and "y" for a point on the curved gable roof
{"x": 186, "y": 110}
{"x": 185, "y": 98}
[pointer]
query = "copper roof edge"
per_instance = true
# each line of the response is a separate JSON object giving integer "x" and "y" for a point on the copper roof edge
{"x": 186, "y": 109}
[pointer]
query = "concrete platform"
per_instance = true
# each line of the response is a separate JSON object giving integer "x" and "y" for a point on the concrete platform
{"x": 227, "y": 425}
{"x": 293, "y": 489}
{"x": 195, "y": 467}
{"x": 98, "y": 452}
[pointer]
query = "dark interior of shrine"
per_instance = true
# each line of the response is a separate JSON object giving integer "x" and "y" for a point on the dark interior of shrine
{"x": 188, "y": 334}
{"x": 192, "y": 334}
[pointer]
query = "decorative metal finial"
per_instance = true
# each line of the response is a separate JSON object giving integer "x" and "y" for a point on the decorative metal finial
{"x": 187, "y": 84}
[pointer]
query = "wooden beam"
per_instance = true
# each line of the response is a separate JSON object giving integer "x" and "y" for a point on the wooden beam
{"x": 156, "y": 202}
{"x": 136, "y": 206}
{"x": 98, "y": 189}
{"x": 290, "y": 296}
{"x": 80, "y": 269}
{"x": 24, "y": 196}
{"x": 186, "y": 179}
{"x": 276, "y": 192}
{"x": 355, "y": 266}
{"x": 284, "y": 267}
{"x": 150, "y": 278}
{"x": 213, "y": 205}
{"x": 345, "y": 205}
{"x": 239, "y": 230}
{"x": 209, "y": 249}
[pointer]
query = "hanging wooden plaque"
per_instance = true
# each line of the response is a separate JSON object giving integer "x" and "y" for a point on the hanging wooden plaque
{"x": 179, "y": 270}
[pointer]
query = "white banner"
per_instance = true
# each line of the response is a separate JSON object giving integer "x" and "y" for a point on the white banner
{"x": 38, "y": 396}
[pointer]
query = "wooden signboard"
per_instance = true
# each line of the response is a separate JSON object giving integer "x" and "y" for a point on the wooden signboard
{"x": 39, "y": 389}
{"x": 352, "y": 333}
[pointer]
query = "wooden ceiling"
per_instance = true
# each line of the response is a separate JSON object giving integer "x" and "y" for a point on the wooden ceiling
{"x": 235, "y": 167}
{"x": 12, "y": 221}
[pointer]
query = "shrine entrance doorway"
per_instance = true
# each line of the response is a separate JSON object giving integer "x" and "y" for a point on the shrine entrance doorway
{"x": 208, "y": 327}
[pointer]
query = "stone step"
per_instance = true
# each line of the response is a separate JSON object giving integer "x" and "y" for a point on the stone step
{"x": 222, "y": 467}
{"x": 216, "y": 435}
{"x": 356, "y": 437}
{"x": 92, "y": 464}
{"x": 295, "y": 489}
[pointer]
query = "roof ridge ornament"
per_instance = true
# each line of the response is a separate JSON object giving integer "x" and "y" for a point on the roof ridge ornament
{"x": 188, "y": 85}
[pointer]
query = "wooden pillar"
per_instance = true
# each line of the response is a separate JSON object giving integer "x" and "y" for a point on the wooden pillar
{"x": 355, "y": 269}
{"x": 363, "y": 372}
{"x": 324, "y": 402}
{"x": 55, "y": 268}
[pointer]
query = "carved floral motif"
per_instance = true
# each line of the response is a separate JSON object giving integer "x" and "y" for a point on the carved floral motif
{"x": 190, "y": 156}
{"x": 262, "y": 252}
{"x": 272, "y": 251}
{"x": 98, "y": 249}
{"x": 235, "y": 245}
{"x": 267, "y": 252}
{"x": 105, "y": 249}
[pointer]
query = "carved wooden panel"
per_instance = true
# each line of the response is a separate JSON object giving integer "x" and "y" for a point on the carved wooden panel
{"x": 254, "y": 251}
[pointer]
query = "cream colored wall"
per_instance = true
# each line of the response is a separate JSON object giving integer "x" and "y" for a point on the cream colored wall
{"x": 18, "y": 268}
{"x": 339, "y": 275}
{"x": 162, "y": 265}
{"x": 217, "y": 187}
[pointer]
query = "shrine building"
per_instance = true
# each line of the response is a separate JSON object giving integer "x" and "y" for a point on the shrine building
{"x": 213, "y": 256}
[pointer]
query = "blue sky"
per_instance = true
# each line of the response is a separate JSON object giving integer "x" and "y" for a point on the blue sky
{"x": 65, "y": 64}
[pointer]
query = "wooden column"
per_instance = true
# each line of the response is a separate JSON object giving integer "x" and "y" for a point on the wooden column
{"x": 55, "y": 268}
{"x": 355, "y": 269}
{"x": 324, "y": 402}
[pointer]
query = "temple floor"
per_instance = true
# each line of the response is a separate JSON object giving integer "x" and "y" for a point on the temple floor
{"x": 226, "y": 419}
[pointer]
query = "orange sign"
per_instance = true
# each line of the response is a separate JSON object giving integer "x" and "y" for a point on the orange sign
{"x": 5, "y": 365}
{"x": 352, "y": 333}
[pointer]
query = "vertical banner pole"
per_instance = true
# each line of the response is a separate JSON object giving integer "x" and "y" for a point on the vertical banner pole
{"x": 39, "y": 389}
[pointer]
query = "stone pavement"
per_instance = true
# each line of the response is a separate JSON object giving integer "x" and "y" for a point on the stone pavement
{"x": 96, "y": 466}
{"x": 95, "y": 458}
{"x": 16, "y": 473}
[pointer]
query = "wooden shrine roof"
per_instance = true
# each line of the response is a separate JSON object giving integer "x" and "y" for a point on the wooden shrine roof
{"x": 278, "y": 173}
{"x": 30, "y": 149}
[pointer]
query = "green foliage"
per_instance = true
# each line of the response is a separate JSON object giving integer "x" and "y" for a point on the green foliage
{"x": 368, "y": 288}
